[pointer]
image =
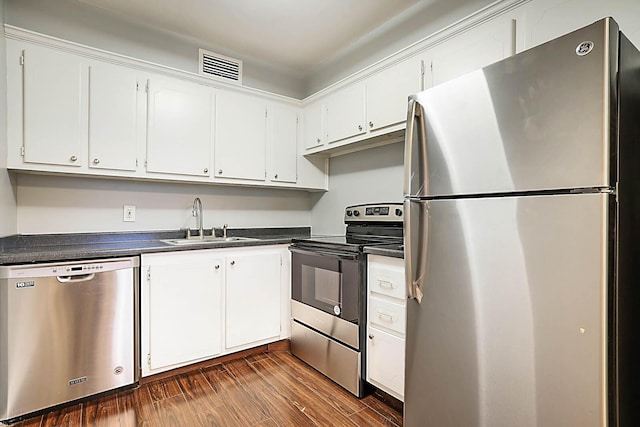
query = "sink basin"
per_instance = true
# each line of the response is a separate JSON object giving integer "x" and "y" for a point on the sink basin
{"x": 207, "y": 239}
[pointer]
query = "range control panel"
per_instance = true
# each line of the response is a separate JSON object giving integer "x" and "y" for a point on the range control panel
{"x": 383, "y": 212}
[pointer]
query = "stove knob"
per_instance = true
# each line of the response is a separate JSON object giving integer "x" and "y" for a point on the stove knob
{"x": 398, "y": 212}
{"x": 349, "y": 213}
{"x": 356, "y": 213}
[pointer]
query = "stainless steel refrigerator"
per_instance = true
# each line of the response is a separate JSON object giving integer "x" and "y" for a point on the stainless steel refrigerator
{"x": 522, "y": 249}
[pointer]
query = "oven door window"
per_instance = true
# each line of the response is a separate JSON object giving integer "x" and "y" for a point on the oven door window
{"x": 322, "y": 288}
{"x": 328, "y": 283}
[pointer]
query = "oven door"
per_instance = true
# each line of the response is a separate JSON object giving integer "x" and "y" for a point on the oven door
{"x": 327, "y": 280}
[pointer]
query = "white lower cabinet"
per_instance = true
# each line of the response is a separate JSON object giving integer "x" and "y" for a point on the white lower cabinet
{"x": 199, "y": 304}
{"x": 386, "y": 324}
{"x": 252, "y": 298}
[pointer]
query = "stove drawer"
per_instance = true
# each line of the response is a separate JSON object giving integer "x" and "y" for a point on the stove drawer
{"x": 386, "y": 276}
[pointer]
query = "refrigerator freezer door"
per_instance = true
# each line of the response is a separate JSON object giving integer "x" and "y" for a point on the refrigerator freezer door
{"x": 536, "y": 121}
{"x": 511, "y": 330}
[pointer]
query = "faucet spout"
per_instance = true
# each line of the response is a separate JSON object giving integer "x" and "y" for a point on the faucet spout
{"x": 196, "y": 211}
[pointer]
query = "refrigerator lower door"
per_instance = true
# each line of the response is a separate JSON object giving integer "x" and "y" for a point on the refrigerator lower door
{"x": 511, "y": 327}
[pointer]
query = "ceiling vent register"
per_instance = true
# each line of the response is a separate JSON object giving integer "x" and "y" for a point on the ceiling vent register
{"x": 220, "y": 67}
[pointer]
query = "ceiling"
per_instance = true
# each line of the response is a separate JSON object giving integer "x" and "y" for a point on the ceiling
{"x": 293, "y": 34}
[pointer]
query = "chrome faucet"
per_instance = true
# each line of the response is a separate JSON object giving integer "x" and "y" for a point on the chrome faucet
{"x": 196, "y": 211}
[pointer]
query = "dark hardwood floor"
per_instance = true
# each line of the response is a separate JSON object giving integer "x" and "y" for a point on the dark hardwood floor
{"x": 265, "y": 389}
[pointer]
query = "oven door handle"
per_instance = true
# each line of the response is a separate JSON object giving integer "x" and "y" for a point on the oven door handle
{"x": 350, "y": 256}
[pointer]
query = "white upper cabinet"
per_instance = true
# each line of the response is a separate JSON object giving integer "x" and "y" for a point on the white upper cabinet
{"x": 314, "y": 125}
{"x": 54, "y": 106}
{"x": 345, "y": 112}
{"x": 371, "y": 108}
{"x": 388, "y": 92}
{"x": 473, "y": 49}
{"x": 240, "y": 136}
{"x": 112, "y": 117}
{"x": 282, "y": 138}
{"x": 179, "y": 127}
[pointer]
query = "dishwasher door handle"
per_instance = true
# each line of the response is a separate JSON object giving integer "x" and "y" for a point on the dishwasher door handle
{"x": 78, "y": 278}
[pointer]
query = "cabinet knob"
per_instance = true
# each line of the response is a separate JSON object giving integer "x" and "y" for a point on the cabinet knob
{"x": 318, "y": 140}
{"x": 220, "y": 172}
{"x": 233, "y": 263}
{"x": 206, "y": 170}
{"x": 73, "y": 158}
{"x": 370, "y": 124}
{"x": 371, "y": 336}
{"x": 276, "y": 176}
{"x": 96, "y": 161}
{"x": 359, "y": 127}
{"x": 217, "y": 266}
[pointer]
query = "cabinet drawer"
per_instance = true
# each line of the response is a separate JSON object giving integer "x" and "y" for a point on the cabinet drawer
{"x": 387, "y": 315}
{"x": 387, "y": 280}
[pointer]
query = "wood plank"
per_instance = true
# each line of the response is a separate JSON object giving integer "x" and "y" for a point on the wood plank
{"x": 304, "y": 398}
{"x": 101, "y": 412}
{"x": 70, "y": 416}
{"x": 369, "y": 417}
{"x": 269, "y": 399}
{"x": 136, "y": 408}
{"x": 164, "y": 389}
{"x": 235, "y": 399}
{"x": 338, "y": 397}
{"x": 385, "y": 410}
{"x": 29, "y": 422}
{"x": 200, "y": 396}
{"x": 175, "y": 411}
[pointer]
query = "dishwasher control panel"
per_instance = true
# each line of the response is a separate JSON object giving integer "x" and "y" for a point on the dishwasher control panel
{"x": 68, "y": 268}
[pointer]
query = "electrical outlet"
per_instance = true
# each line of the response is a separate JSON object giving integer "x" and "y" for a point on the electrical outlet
{"x": 128, "y": 213}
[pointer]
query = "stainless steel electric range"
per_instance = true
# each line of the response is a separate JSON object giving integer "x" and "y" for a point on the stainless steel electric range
{"x": 328, "y": 288}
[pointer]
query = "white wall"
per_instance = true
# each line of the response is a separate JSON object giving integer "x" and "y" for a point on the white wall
{"x": 369, "y": 176}
{"x": 56, "y": 204}
{"x": 81, "y": 23}
{"x": 7, "y": 188}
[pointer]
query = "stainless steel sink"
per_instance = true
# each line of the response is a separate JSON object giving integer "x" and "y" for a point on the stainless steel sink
{"x": 207, "y": 239}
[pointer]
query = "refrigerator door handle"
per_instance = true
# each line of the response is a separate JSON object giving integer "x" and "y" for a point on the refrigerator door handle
{"x": 415, "y": 156}
{"x": 415, "y": 247}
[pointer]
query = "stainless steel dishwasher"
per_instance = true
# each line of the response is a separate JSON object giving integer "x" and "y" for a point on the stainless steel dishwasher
{"x": 67, "y": 331}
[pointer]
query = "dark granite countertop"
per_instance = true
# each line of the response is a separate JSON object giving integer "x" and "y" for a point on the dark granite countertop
{"x": 394, "y": 251}
{"x": 24, "y": 249}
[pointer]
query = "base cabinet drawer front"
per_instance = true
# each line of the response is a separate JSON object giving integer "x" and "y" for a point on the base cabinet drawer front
{"x": 385, "y": 362}
{"x": 386, "y": 276}
{"x": 387, "y": 315}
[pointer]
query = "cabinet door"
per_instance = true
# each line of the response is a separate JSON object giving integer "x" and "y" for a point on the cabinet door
{"x": 179, "y": 126}
{"x": 240, "y": 145}
{"x": 388, "y": 92}
{"x": 346, "y": 113}
{"x": 54, "y": 107}
{"x": 252, "y": 298}
{"x": 184, "y": 310}
{"x": 385, "y": 362}
{"x": 283, "y": 140}
{"x": 112, "y": 117}
{"x": 313, "y": 125}
{"x": 473, "y": 49}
